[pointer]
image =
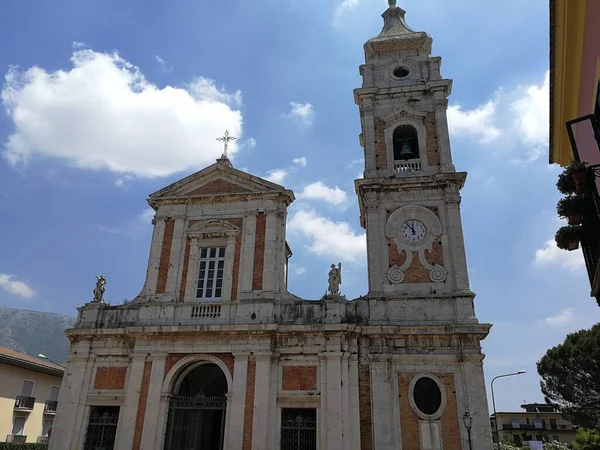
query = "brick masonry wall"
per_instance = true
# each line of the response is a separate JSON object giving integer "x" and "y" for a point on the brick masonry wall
{"x": 380, "y": 147}
{"x": 174, "y": 358}
{"x": 110, "y": 378}
{"x": 139, "y": 422}
{"x": 416, "y": 273}
{"x": 218, "y": 187}
{"x": 259, "y": 252}
{"x": 364, "y": 397}
{"x": 433, "y": 155}
{"x": 165, "y": 254}
{"x": 249, "y": 409}
{"x": 299, "y": 378}
{"x": 409, "y": 419}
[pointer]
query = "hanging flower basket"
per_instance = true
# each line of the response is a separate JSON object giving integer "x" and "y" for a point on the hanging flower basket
{"x": 573, "y": 179}
{"x": 568, "y": 237}
{"x": 571, "y": 208}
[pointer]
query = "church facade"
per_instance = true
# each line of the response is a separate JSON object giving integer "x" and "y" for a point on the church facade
{"x": 215, "y": 353}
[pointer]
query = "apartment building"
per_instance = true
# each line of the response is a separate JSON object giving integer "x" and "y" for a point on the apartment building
{"x": 28, "y": 397}
{"x": 537, "y": 422}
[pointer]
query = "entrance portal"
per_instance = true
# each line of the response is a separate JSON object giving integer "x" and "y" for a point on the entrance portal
{"x": 197, "y": 410}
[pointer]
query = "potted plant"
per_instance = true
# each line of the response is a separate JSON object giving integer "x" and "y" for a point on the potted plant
{"x": 571, "y": 208}
{"x": 579, "y": 174}
{"x": 568, "y": 237}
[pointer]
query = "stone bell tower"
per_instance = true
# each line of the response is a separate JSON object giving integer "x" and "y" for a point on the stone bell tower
{"x": 409, "y": 197}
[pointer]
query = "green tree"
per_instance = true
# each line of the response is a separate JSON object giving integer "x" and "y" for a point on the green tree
{"x": 571, "y": 376}
{"x": 586, "y": 440}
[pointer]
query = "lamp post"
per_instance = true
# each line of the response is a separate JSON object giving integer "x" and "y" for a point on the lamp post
{"x": 520, "y": 372}
{"x": 41, "y": 355}
{"x": 468, "y": 421}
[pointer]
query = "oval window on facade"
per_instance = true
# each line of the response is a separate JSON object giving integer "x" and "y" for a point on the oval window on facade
{"x": 427, "y": 396}
{"x": 401, "y": 72}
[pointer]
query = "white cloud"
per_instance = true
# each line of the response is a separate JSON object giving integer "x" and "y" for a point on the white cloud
{"x": 476, "y": 122}
{"x": 550, "y": 254}
{"x": 161, "y": 61}
{"x": 277, "y": 175}
{"x": 250, "y": 143}
{"x": 520, "y": 115}
{"x": 343, "y": 8}
{"x": 355, "y": 162}
{"x": 296, "y": 269}
{"x": 103, "y": 114}
{"x": 532, "y": 116}
{"x": 300, "y": 161}
{"x": 319, "y": 191}
{"x": 304, "y": 113}
{"x": 17, "y": 287}
{"x": 132, "y": 227}
{"x": 328, "y": 238}
{"x": 75, "y": 45}
{"x": 563, "y": 317}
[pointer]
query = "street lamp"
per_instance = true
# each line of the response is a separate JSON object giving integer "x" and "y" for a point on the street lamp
{"x": 520, "y": 372}
{"x": 468, "y": 421}
{"x": 41, "y": 355}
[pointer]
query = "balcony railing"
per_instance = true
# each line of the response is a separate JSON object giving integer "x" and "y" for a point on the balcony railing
{"x": 16, "y": 438}
{"x": 407, "y": 167}
{"x": 24, "y": 403}
{"x": 50, "y": 406}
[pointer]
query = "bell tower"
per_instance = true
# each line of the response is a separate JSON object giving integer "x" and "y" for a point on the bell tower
{"x": 409, "y": 196}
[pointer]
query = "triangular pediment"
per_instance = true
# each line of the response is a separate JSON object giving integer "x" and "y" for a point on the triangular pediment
{"x": 218, "y": 179}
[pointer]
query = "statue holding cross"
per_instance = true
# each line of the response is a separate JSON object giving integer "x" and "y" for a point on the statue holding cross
{"x": 226, "y": 139}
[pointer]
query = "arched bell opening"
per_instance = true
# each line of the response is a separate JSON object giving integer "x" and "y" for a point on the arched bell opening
{"x": 197, "y": 409}
{"x": 406, "y": 149}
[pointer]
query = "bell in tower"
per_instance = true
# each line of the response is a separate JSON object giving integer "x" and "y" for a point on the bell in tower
{"x": 406, "y": 143}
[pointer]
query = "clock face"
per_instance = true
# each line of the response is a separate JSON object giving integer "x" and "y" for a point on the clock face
{"x": 413, "y": 231}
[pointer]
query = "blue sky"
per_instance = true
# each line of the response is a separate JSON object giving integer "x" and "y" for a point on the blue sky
{"x": 106, "y": 102}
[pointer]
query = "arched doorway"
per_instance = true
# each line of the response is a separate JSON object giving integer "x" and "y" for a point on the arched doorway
{"x": 197, "y": 410}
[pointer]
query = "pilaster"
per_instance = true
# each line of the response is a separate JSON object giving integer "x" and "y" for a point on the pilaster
{"x": 154, "y": 259}
{"x": 192, "y": 273}
{"x": 247, "y": 254}
{"x": 262, "y": 412}
{"x": 129, "y": 410}
{"x": 270, "y": 254}
{"x": 237, "y": 408}
{"x": 177, "y": 252}
{"x": 382, "y": 414}
{"x": 151, "y": 425}
{"x": 228, "y": 269}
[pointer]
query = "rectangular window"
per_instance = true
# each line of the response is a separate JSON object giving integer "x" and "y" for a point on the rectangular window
{"x": 27, "y": 389}
{"x": 210, "y": 273}
{"x": 515, "y": 423}
{"x": 46, "y": 426}
{"x": 538, "y": 423}
{"x": 18, "y": 426}
{"x": 54, "y": 393}
{"x": 517, "y": 439}
{"x": 102, "y": 428}
{"x": 553, "y": 424}
{"x": 298, "y": 429}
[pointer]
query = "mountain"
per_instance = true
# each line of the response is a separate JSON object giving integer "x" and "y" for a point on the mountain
{"x": 34, "y": 332}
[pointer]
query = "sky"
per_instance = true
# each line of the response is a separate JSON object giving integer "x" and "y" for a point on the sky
{"x": 105, "y": 102}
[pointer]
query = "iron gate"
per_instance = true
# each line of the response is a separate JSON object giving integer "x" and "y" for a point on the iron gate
{"x": 102, "y": 428}
{"x": 299, "y": 429}
{"x": 196, "y": 423}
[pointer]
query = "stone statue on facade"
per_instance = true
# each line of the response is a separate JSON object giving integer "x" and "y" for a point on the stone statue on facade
{"x": 335, "y": 279}
{"x": 99, "y": 289}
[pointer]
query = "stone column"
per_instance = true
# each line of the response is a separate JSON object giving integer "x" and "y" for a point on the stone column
{"x": 270, "y": 252}
{"x": 370, "y": 146}
{"x": 375, "y": 240}
{"x": 236, "y": 408}
{"x": 177, "y": 252}
{"x": 441, "y": 121}
{"x": 262, "y": 414}
{"x": 150, "y": 432}
{"x": 80, "y": 418}
{"x": 64, "y": 434}
{"x": 247, "y": 254}
{"x": 228, "y": 269}
{"x": 382, "y": 414}
{"x": 457, "y": 243}
{"x": 192, "y": 273}
{"x": 354, "y": 403}
{"x": 129, "y": 411}
{"x": 154, "y": 258}
{"x": 335, "y": 416}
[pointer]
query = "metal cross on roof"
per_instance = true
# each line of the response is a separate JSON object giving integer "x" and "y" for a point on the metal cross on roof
{"x": 226, "y": 139}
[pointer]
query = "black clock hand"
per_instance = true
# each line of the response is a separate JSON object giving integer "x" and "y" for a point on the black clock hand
{"x": 412, "y": 227}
